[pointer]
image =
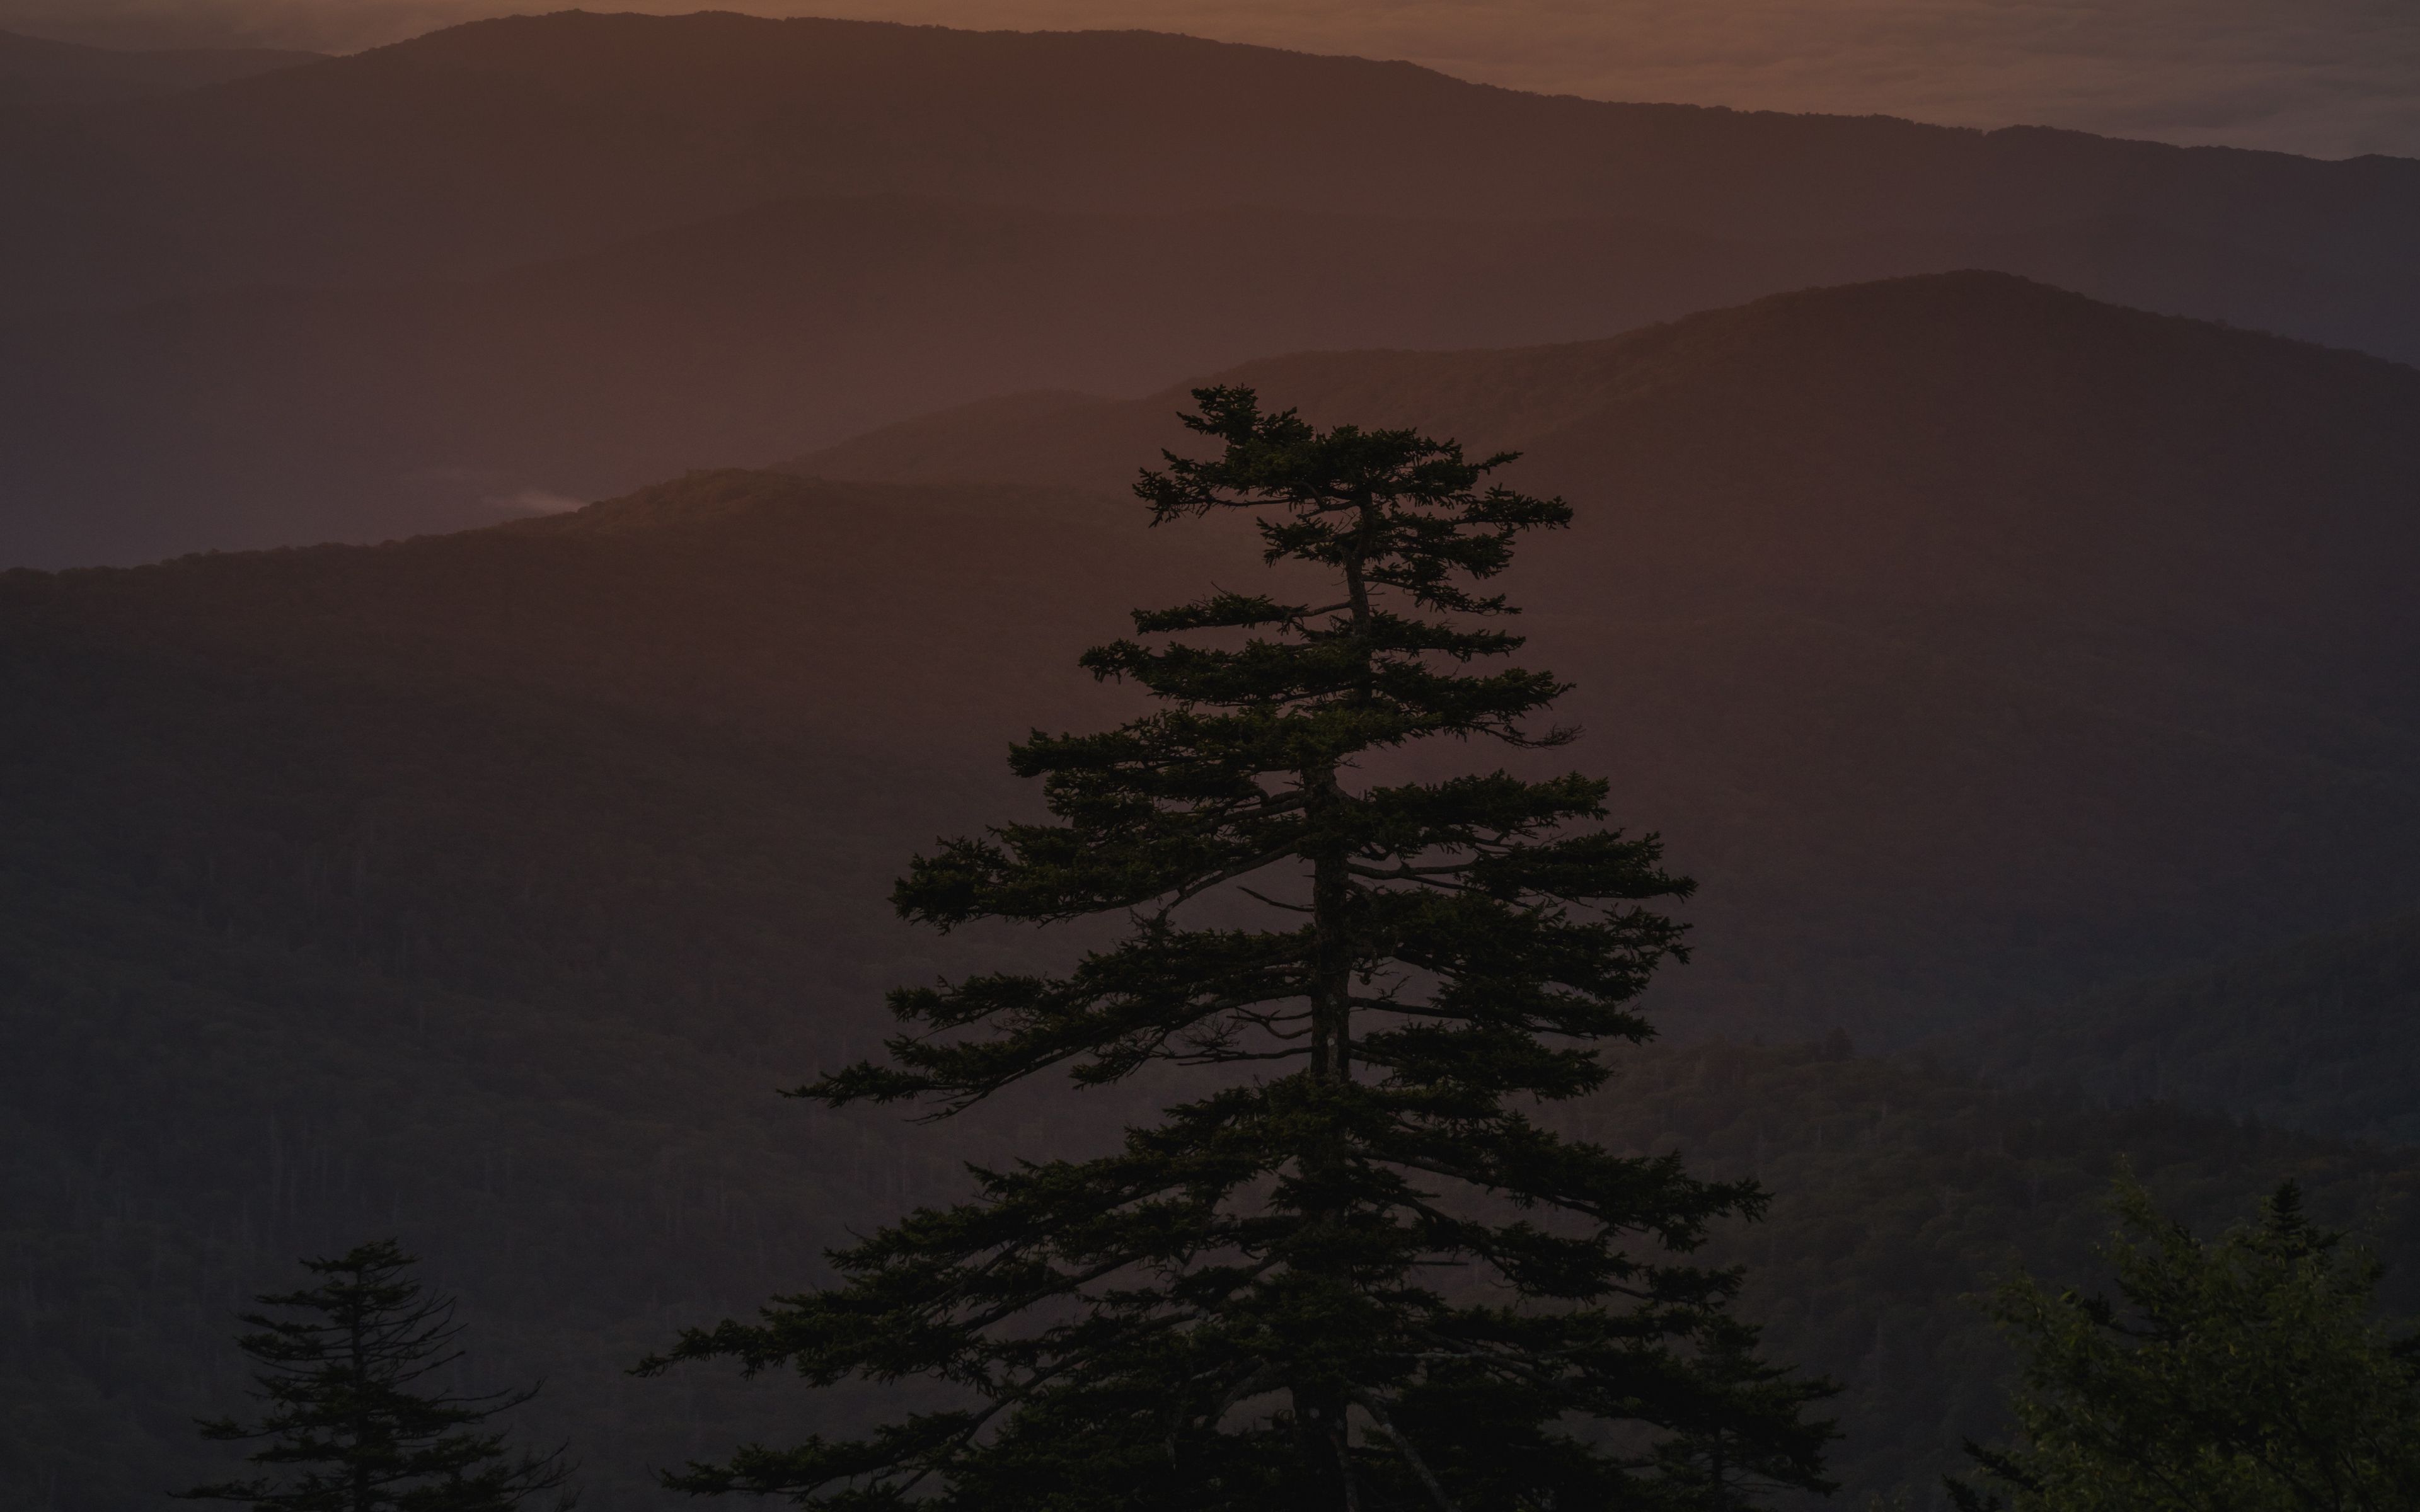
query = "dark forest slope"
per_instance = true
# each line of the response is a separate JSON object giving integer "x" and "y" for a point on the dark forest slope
{"x": 2321, "y": 1033}
{"x": 194, "y": 1105}
{"x": 1902, "y": 1193}
{"x": 482, "y": 886}
{"x": 481, "y": 889}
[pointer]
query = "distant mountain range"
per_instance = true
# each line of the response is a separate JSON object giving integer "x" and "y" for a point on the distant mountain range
{"x": 2063, "y": 630}
{"x": 280, "y": 417}
{"x": 1975, "y": 642}
{"x": 560, "y": 255}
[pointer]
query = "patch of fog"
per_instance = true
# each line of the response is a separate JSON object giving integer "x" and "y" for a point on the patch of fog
{"x": 537, "y": 501}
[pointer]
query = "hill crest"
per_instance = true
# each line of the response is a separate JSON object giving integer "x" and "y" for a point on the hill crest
{"x": 1520, "y": 396}
{"x": 373, "y": 294}
{"x": 1863, "y": 581}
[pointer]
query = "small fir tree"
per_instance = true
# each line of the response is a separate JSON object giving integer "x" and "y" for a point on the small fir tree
{"x": 2247, "y": 1374}
{"x": 345, "y": 1425}
{"x": 1358, "y": 1274}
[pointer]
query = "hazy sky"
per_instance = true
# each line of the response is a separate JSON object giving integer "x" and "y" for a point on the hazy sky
{"x": 2330, "y": 77}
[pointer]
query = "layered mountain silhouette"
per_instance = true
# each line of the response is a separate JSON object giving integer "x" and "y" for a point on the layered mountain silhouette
{"x": 498, "y": 140}
{"x": 1958, "y": 623}
{"x": 2018, "y": 641}
{"x": 560, "y": 255}
{"x": 271, "y": 418}
{"x": 1963, "y": 577}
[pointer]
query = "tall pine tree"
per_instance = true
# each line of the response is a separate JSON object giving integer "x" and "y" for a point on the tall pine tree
{"x": 1357, "y": 1274}
{"x": 348, "y": 1424}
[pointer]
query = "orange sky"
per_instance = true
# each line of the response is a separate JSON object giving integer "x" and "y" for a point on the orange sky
{"x": 2330, "y": 77}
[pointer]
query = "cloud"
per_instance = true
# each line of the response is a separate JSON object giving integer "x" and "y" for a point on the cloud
{"x": 2327, "y": 77}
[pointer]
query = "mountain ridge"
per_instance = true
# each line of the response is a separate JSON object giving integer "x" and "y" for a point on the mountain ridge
{"x": 281, "y": 416}
{"x": 1821, "y": 590}
{"x": 560, "y": 256}
{"x": 1023, "y": 117}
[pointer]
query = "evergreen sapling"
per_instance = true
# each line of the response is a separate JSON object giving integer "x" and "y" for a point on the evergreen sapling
{"x": 348, "y": 1426}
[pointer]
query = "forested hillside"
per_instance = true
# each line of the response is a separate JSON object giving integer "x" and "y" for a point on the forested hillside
{"x": 483, "y": 887}
{"x": 1903, "y": 1191}
{"x": 566, "y": 255}
{"x": 424, "y": 891}
{"x": 2317, "y": 1033}
{"x": 198, "y": 1105}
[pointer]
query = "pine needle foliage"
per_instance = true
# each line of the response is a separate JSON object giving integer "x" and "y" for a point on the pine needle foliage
{"x": 2248, "y": 1373}
{"x": 1357, "y": 1274}
{"x": 347, "y": 1426}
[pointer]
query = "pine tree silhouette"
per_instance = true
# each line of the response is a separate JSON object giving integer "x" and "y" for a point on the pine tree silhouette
{"x": 1356, "y": 1275}
{"x": 344, "y": 1427}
